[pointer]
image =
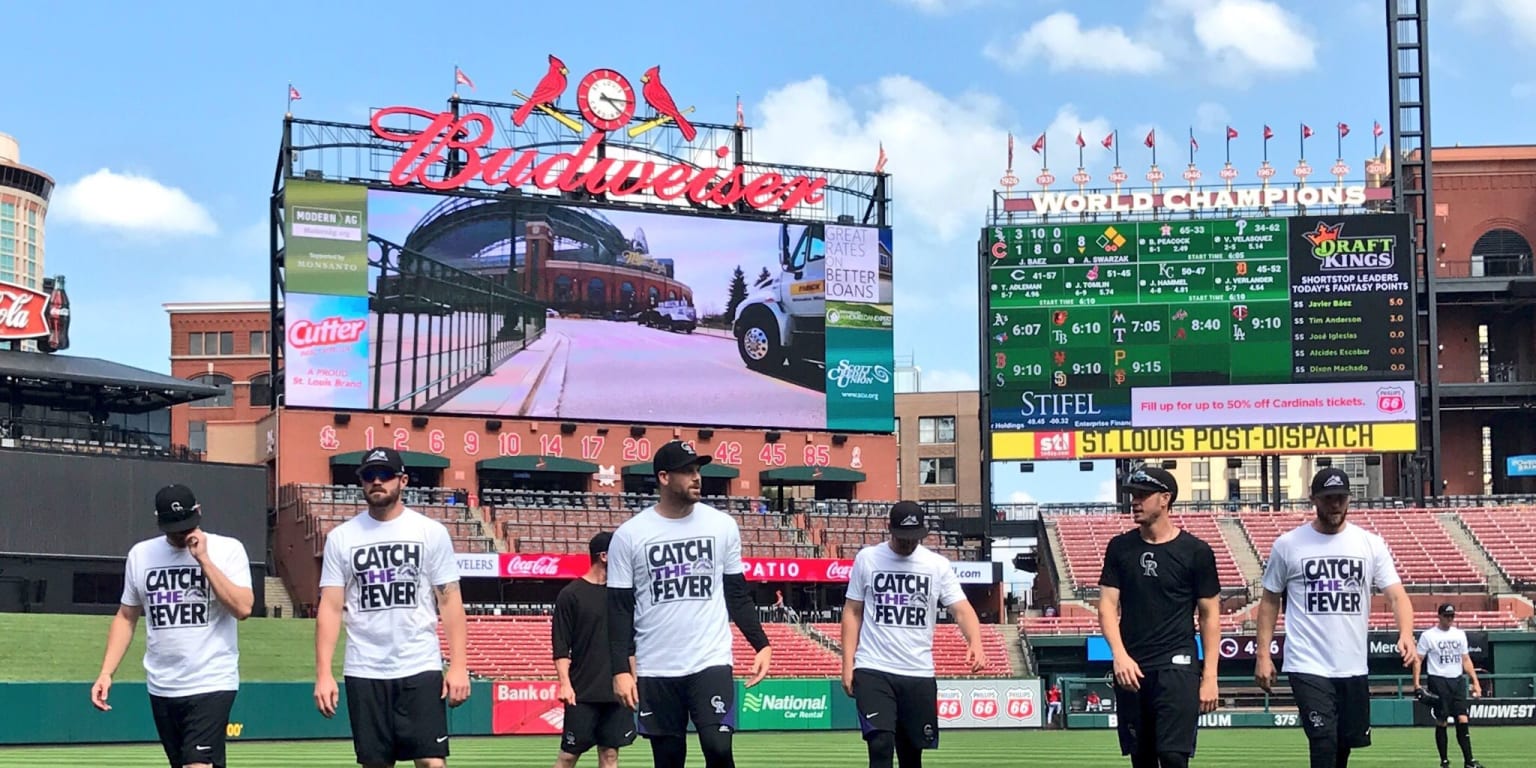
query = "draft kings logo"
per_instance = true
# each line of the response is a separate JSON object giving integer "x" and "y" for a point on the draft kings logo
{"x": 1337, "y": 253}
{"x": 608, "y": 101}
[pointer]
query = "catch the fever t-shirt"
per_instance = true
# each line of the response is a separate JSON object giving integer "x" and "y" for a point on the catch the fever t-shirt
{"x": 1443, "y": 650}
{"x": 193, "y": 640}
{"x": 1327, "y": 581}
{"x": 901, "y": 597}
{"x": 676, "y": 568}
{"x": 388, "y": 571}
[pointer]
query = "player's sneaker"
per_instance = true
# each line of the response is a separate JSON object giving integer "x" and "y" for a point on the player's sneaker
{"x": 1445, "y": 764}
{"x": 1474, "y": 764}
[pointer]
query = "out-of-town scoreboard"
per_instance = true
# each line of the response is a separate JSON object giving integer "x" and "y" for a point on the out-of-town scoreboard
{"x": 1193, "y": 337}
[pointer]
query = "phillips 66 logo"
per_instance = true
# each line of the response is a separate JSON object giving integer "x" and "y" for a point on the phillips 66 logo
{"x": 949, "y": 704}
{"x": 1390, "y": 400}
{"x": 1021, "y": 703}
{"x": 984, "y": 703}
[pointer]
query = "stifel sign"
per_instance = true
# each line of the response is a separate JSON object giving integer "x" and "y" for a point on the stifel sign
{"x": 563, "y": 172}
{"x": 23, "y": 313}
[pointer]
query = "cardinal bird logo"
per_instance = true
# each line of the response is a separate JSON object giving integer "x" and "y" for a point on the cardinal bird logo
{"x": 547, "y": 92}
{"x": 1323, "y": 234}
{"x": 660, "y": 100}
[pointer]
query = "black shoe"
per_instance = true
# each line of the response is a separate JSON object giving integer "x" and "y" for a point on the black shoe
{"x": 1473, "y": 764}
{"x": 1445, "y": 764}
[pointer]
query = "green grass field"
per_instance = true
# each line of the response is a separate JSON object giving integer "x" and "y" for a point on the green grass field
{"x": 1397, "y": 747}
{"x": 64, "y": 648}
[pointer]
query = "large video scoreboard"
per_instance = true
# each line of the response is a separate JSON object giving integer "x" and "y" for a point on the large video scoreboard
{"x": 1239, "y": 336}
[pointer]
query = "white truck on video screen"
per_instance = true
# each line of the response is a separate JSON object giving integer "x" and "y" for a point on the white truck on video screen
{"x": 672, "y": 316}
{"x": 784, "y": 318}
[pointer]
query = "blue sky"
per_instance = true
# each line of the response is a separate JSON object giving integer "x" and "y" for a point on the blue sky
{"x": 161, "y": 121}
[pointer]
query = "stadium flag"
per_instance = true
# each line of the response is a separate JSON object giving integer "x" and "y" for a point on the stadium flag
{"x": 1231, "y": 134}
{"x": 1343, "y": 131}
{"x": 1040, "y": 149}
{"x": 459, "y": 78}
{"x": 293, "y": 95}
{"x": 741, "y": 117}
{"x": 1306, "y": 133}
{"x": 1376, "y": 138}
{"x": 1194, "y": 146}
{"x": 1010, "y": 151}
{"x": 1269, "y": 133}
{"x": 1111, "y": 143}
{"x": 1151, "y": 143}
{"x": 880, "y": 163}
{"x": 1080, "y": 145}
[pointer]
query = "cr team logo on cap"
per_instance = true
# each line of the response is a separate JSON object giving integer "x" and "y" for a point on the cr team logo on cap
{"x": 378, "y": 456}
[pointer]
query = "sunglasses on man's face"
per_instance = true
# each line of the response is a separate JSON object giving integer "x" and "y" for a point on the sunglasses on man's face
{"x": 377, "y": 475}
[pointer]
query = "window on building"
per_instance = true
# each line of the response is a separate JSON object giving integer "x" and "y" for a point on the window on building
{"x": 1200, "y": 471}
{"x": 937, "y": 471}
{"x": 936, "y": 429}
{"x": 261, "y": 389}
{"x": 1200, "y": 494}
{"x": 7, "y": 210}
{"x": 225, "y": 399}
{"x": 1250, "y": 470}
{"x": 197, "y": 436}
{"x": 211, "y": 343}
{"x": 8, "y": 227}
{"x": 1501, "y": 252}
{"x": 259, "y": 342}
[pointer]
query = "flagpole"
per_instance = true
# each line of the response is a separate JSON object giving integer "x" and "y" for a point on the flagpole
{"x": 1229, "y": 145}
{"x": 1117, "y": 147}
{"x": 455, "y": 79}
{"x": 1301, "y": 140}
{"x": 1339, "y": 134}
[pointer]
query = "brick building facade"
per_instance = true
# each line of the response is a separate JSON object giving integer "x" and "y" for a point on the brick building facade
{"x": 226, "y": 345}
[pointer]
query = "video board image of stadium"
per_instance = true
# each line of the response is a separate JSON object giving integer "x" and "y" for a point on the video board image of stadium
{"x": 1200, "y": 323}
{"x": 528, "y": 307}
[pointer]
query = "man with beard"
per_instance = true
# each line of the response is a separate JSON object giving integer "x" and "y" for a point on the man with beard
{"x": 194, "y": 587}
{"x": 1444, "y": 648}
{"x": 393, "y": 570}
{"x": 675, "y": 579}
{"x": 1156, "y": 577}
{"x": 1325, "y": 572}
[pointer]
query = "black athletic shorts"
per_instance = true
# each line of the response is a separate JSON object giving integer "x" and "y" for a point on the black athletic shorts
{"x": 1161, "y": 717}
{"x": 402, "y": 719}
{"x": 192, "y": 728}
{"x": 707, "y": 696}
{"x": 610, "y": 725}
{"x": 1453, "y": 698}
{"x": 907, "y": 706}
{"x": 1338, "y": 707}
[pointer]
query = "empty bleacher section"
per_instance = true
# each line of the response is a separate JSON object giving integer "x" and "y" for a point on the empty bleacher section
{"x": 1508, "y": 536}
{"x": 948, "y": 650}
{"x": 1427, "y": 559}
{"x": 565, "y": 522}
{"x": 323, "y": 507}
{"x": 1083, "y": 538}
{"x": 842, "y": 529}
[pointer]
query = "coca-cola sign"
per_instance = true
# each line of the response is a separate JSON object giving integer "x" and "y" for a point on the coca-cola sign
{"x": 23, "y": 313}
{"x": 527, "y": 565}
{"x": 303, "y": 334}
{"x": 813, "y": 570}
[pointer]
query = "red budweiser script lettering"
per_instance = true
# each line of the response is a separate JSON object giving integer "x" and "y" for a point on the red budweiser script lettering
{"x": 332, "y": 330}
{"x": 563, "y": 172}
{"x": 23, "y": 313}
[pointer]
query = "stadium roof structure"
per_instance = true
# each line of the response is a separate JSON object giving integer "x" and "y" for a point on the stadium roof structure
{"x": 89, "y": 383}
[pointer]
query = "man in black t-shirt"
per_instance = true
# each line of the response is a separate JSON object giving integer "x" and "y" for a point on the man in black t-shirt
{"x": 593, "y": 714}
{"x": 1155, "y": 578}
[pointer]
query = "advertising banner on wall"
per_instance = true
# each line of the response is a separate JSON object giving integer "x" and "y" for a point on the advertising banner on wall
{"x": 785, "y": 705}
{"x": 326, "y": 243}
{"x": 809, "y": 570}
{"x": 989, "y": 704}
{"x": 1488, "y": 712}
{"x": 524, "y": 707}
{"x": 326, "y": 350}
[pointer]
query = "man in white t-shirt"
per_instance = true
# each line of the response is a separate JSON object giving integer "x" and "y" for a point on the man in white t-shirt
{"x": 387, "y": 573}
{"x": 1445, "y": 649}
{"x": 194, "y": 588}
{"x": 676, "y": 581}
{"x": 1325, "y": 572}
{"x": 890, "y": 614}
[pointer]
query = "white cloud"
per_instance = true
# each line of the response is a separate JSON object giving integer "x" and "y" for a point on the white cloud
{"x": 948, "y": 380}
{"x": 1020, "y": 497}
{"x": 1064, "y": 44}
{"x": 1523, "y": 90}
{"x": 1518, "y": 16}
{"x": 1061, "y": 143}
{"x": 218, "y": 288}
{"x": 807, "y": 123}
{"x": 1210, "y": 117}
{"x": 132, "y": 203}
{"x": 1248, "y": 36}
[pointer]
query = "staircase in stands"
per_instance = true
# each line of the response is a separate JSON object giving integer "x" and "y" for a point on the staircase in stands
{"x": 1451, "y": 522}
{"x": 1242, "y": 549}
{"x": 1064, "y": 589}
{"x": 276, "y": 598}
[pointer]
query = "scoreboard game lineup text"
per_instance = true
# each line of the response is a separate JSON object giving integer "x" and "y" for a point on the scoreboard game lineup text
{"x": 1246, "y": 335}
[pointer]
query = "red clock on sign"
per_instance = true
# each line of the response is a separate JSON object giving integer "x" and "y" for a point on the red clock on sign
{"x": 606, "y": 99}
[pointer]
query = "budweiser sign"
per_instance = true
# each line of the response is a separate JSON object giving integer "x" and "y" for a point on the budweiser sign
{"x": 427, "y": 149}
{"x": 332, "y": 330}
{"x": 23, "y": 313}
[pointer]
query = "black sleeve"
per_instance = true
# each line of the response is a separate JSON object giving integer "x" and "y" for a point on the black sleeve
{"x": 621, "y": 628}
{"x": 738, "y": 598}
{"x": 560, "y": 626}
{"x": 1110, "y": 575}
{"x": 1207, "y": 580}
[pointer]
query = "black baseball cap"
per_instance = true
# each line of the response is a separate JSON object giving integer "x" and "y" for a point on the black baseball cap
{"x": 908, "y": 521}
{"x": 177, "y": 510}
{"x": 1152, "y": 480}
{"x": 388, "y": 458}
{"x": 599, "y": 544}
{"x": 676, "y": 455}
{"x": 1446, "y": 609}
{"x": 1330, "y": 481}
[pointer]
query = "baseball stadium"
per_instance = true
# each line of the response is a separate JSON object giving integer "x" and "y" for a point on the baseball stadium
{"x": 527, "y": 302}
